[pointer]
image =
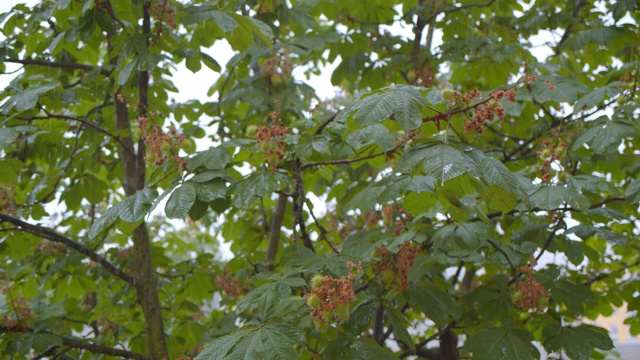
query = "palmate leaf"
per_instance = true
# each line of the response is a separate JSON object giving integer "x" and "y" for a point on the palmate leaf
{"x": 136, "y": 207}
{"x": 604, "y": 137}
{"x": 445, "y": 163}
{"x": 275, "y": 341}
{"x": 547, "y": 197}
{"x": 105, "y": 221}
{"x": 132, "y": 209}
{"x": 577, "y": 342}
{"x": 27, "y": 98}
{"x": 405, "y": 103}
{"x": 435, "y": 303}
{"x": 442, "y": 163}
{"x": 371, "y": 134}
{"x": 195, "y": 14}
{"x": 502, "y": 344}
{"x": 260, "y": 183}
{"x": 344, "y": 348}
{"x": 218, "y": 349}
{"x": 181, "y": 201}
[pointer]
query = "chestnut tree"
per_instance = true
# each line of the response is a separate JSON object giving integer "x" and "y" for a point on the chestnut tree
{"x": 470, "y": 192}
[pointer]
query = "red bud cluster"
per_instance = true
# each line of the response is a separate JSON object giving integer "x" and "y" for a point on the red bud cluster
{"x": 271, "y": 141}
{"x": 278, "y": 69}
{"x": 161, "y": 145}
{"x": 330, "y": 297}
{"x": 19, "y": 314}
{"x": 394, "y": 268}
{"x": 7, "y": 204}
{"x": 163, "y": 13}
{"x": 485, "y": 111}
{"x": 530, "y": 294}
{"x": 106, "y": 325}
{"x": 548, "y": 153}
{"x": 228, "y": 284}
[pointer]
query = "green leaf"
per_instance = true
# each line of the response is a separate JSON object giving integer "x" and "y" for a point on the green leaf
{"x": 126, "y": 71}
{"x": 27, "y": 99}
{"x": 435, "y": 303}
{"x": 502, "y": 344}
{"x": 465, "y": 235}
{"x": 366, "y": 199}
{"x": 549, "y": 197}
{"x": 8, "y": 136}
{"x": 137, "y": 206}
{"x": 219, "y": 348}
{"x": 574, "y": 296}
{"x": 499, "y": 199}
{"x": 43, "y": 341}
{"x": 344, "y": 348}
{"x": 360, "y": 317}
{"x": 372, "y": 134}
{"x": 210, "y": 191}
{"x": 181, "y": 201}
{"x": 400, "y": 324}
{"x": 605, "y": 137}
{"x": 196, "y": 14}
{"x": 590, "y": 100}
{"x": 105, "y": 221}
{"x": 421, "y": 183}
{"x": 193, "y": 63}
{"x": 261, "y": 183}
{"x": 404, "y": 102}
{"x": 210, "y": 62}
{"x": 213, "y": 159}
{"x": 445, "y": 163}
{"x": 276, "y": 341}
{"x": 577, "y": 342}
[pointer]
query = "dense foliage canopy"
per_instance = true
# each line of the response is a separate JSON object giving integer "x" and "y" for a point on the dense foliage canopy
{"x": 471, "y": 192}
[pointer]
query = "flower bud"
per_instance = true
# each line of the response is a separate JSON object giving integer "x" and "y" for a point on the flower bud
{"x": 313, "y": 300}
{"x": 316, "y": 281}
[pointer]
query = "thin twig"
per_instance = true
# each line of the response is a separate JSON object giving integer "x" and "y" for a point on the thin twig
{"x": 55, "y": 64}
{"x": 50, "y": 234}
{"x": 78, "y": 344}
{"x": 514, "y": 271}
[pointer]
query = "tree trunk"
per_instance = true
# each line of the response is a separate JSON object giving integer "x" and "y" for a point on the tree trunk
{"x": 133, "y": 168}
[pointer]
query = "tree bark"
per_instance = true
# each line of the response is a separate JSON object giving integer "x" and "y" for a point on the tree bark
{"x": 274, "y": 236}
{"x": 133, "y": 167}
{"x": 449, "y": 346}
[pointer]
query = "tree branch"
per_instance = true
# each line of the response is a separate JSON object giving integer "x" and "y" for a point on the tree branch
{"x": 378, "y": 325}
{"x": 79, "y": 344}
{"x": 50, "y": 234}
{"x": 605, "y": 275}
{"x": 567, "y": 32}
{"x": 274, "y": 236}
{"x": 323, "y": 231}
{"x": 55, "y": 64}
{"x": 514, "y": 271}
{"x": 325, "y": 123}
{"x": 563, "y": 209}
{"x": 449, "y": 10}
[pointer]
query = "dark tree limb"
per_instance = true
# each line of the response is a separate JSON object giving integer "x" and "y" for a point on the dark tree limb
{"x": 378, "y": 325}
{"x": 576, "y": 10}
{"x": 50, "y": 234}
{"x": 54, "y": 64}
{"x": 451, "y": 9}
{"x": 514, "y": 271}
{"x": 323, "y": 231}
{"x": 276, "y": 230}
{"x": 325, "y": 123}
{"x": 79, "y": 344}
{"x": 606, "y": 275}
